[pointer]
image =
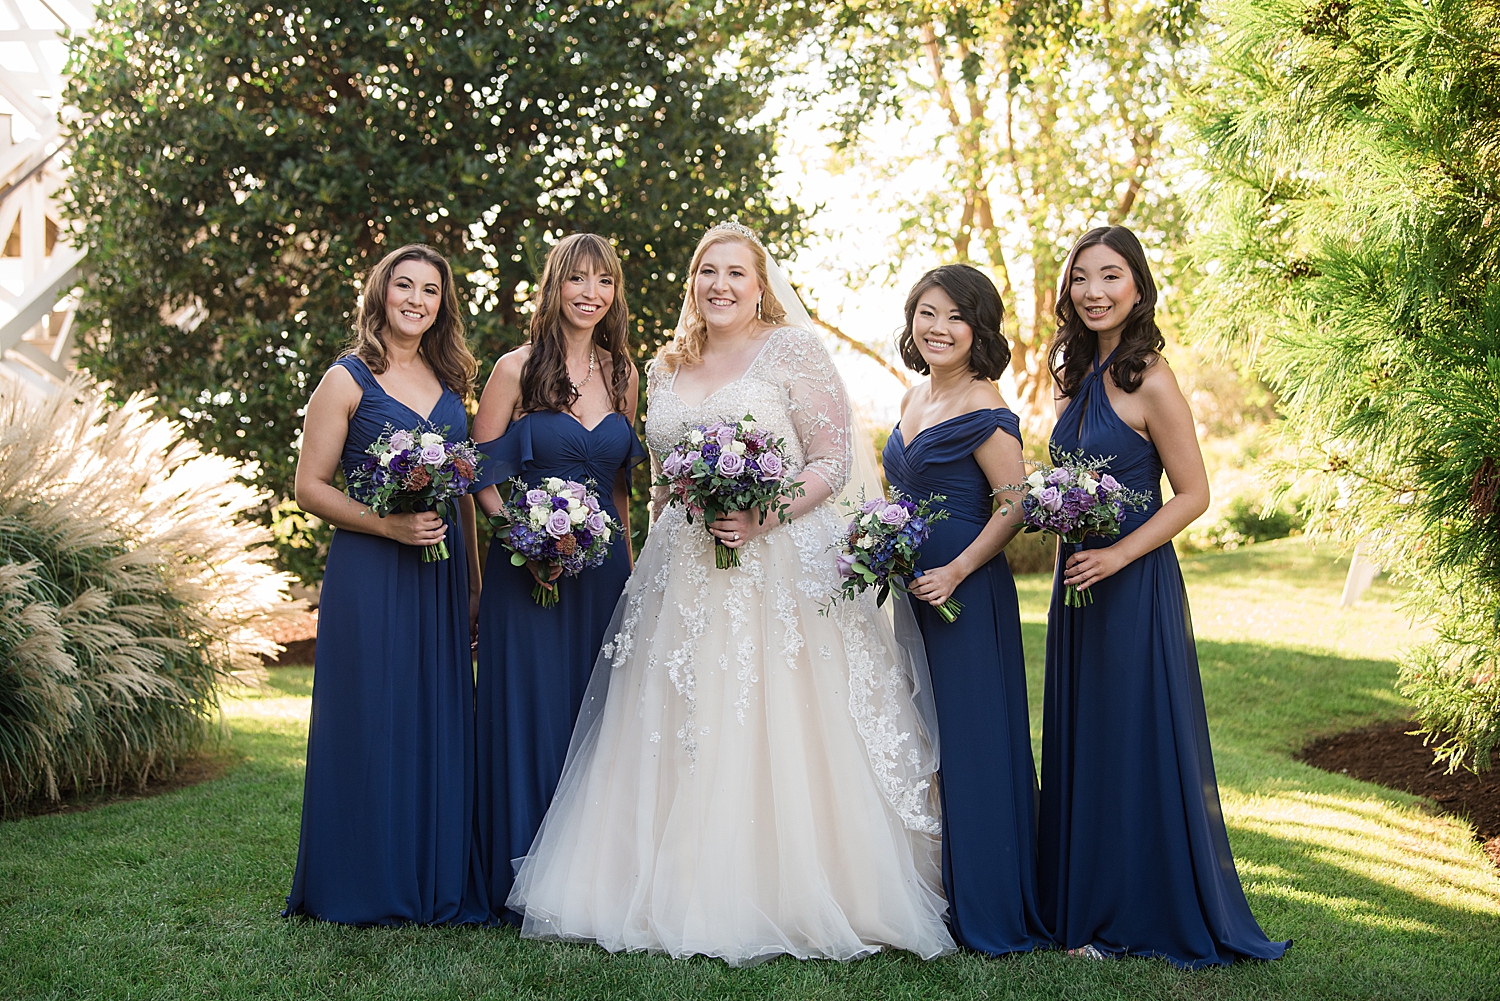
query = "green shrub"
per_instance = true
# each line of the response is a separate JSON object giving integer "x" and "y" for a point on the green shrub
{"x": 129, "y": 589}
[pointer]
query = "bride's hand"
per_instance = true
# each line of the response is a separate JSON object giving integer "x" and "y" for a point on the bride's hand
{"x": 738, "y": 527}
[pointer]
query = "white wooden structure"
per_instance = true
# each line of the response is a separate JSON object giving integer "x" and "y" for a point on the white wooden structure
{"x": 38, "y": 267}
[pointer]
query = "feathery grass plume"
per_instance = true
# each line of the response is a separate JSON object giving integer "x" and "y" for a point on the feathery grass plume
{"x": 1351, "y": 239}
{"x": 130, "y": 587}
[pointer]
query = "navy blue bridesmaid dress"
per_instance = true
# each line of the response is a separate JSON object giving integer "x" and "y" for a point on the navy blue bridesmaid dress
{"x": 1134, "y": 858}
{"x": 534, "y": 663}
{"x": 987, "y": 778}
{"x": 388, "y": 804}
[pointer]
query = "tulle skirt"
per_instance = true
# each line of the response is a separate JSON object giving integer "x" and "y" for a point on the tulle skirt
{"x": 749, "y": 777}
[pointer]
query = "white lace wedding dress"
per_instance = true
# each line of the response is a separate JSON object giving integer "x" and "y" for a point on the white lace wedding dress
{"x": 748, "y": 777}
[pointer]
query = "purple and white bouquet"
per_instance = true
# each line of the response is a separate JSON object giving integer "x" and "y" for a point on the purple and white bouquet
{"x": 1075, "y": 499}
{"x": 559, "y": 524}
{"x": 882, "y": 545}
{"x": 722, "y": 467}
{"x": 415, "y": 470}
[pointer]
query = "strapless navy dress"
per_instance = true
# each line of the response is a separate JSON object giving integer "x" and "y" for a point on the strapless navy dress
{"x": 987, "y": 779}
{"x": 388, "y": 804}
{"x": 534, "y": 663}
{"x": 1134, "y": 858}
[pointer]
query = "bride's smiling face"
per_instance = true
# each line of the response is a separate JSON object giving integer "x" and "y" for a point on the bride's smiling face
{"x": 726, "y": 287}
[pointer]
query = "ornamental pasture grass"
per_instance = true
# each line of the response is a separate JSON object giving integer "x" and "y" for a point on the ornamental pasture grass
{"x": 177, "y": 896}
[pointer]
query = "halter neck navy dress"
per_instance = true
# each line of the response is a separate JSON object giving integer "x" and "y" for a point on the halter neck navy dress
{"x": 534, "y": 663}
{"x": 1134, "y": 858}
{"x": 388, "y": 805}
{"x": 987, "y": 780}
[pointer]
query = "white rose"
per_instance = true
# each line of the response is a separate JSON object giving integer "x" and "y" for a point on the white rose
{"x": 552, "y": 484}
{"x": 1036, "y": 480}
{"x": 1088, "y": 483}
{"x": 539, "y": 516}
{"x": 863, "y": 542}
{"x": 868, "y": 519}
{"x": 385, "y": 458}
{"x": 695, "y": 436}
{"x": 577, "y": 513}
{"x": 431, "y": 438}
{"x": 574, "y": 503}
{"x": 748, "y": 427}
{"x": 606, "y": 534}
{"x": 737, "y": 447}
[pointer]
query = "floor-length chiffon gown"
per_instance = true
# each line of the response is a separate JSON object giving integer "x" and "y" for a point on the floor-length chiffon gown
{"x": 388, "y": 804}
{"x": 987, "y": 780}
{"x": 747, "y": 777}
{"x": 1134, "y": 857}
{"x": 533, "y": 662}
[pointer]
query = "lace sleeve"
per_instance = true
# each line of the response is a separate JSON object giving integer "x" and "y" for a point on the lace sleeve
{"x": 818, "y": 404}
{"x": 655, "y": 380}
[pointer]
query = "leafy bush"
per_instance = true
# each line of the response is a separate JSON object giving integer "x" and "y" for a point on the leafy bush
{"x": 129, "y": 589}
{"x": 1245, "y": 521}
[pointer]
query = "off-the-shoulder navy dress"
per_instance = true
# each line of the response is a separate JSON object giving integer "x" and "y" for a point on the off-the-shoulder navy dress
{"x": 534, "y": 663}
{"x": 388, "y": 804}
{"x": 987, "y": 775}
{"x": 1134, "y": 857}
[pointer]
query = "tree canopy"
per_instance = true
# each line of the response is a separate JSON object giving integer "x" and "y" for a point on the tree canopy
{"x": 245, "y": 163}
{"x": 1351, "y": 243}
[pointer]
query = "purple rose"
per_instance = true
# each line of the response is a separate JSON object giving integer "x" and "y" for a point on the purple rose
{"x": 577, "y": 490}
{"x": 675, "y": 464}
{"x": 596, "y": 523}
{"x": 725, "y": 436}
{"x": 433, "y": 454}
{"x": 771, "y": 467}
{"x": 559, "y": 524}
{"x": 846, "y": 564}
{"x": 591, "y": 502}
{"x": 691, "y": 458}
{"x": 537, "y": 498}
{"x": 1108, "y": 483}
{"x": 894, "y": 515}
{"x": 874, "y": 504}
{"x": 1050, "y": 498}
{"x": 1059, "y": 477}
{"x": 731, "y": 464}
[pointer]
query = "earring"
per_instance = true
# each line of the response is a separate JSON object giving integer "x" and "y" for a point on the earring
{"x": 757, "y": 305}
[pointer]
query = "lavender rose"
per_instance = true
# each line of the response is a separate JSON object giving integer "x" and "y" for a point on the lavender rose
{"x": 559, "y": 524}
{"x": 725, "y": 437}
{"x": 591, "y": 502}
{"x": 1050, "y": 498}
{"x": 846, "y": 564}
{"x": 675, "y": 464}
{"x": 894, "y": 515}
{"x": 432, "y": 454}
{"x": 1060, "y": 477}
{"x": 771, "y": 466}
{"x": 1108, "y": 483}
{"x": 731, "y": 464}
{"x": 537, "y": 498}
{"x": 402, "y": 440}
{"x": 595, "y": 523}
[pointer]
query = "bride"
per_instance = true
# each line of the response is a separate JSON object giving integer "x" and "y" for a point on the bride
{"x": 748, "y": 777}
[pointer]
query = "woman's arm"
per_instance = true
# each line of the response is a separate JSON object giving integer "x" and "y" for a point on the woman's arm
{"x": 1000, "y": 459}
{"x": 323, "y": 433}
{"x": 497, "y": 406}
{"x": 622, "y": 478}
{"x": 471, "y": 544}
{"x": 1169, "y": 421}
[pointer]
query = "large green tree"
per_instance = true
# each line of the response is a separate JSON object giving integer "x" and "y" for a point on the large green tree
{"x": 1043, "y": 117}
{"x": 1352, "y": 241}
{"x": 241, "y": 164}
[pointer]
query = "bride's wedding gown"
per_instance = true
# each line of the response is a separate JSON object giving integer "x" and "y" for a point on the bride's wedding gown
{"x": 748, "y": 777}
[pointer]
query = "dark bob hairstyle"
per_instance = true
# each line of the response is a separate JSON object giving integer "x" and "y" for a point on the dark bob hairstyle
{"x": 1075, "y": 346}
{"x": 978, "y": 303}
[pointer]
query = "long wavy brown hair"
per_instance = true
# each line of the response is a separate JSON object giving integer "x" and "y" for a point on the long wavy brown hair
{"x": 443, "y": 346}
{"x": 686, "y": 345}
{"x": 1074, "y": 346}
{"x": 545, "y": 384}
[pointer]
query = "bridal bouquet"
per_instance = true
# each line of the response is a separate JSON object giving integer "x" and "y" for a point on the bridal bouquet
{"x": 1073, "y": 500}
{"x": 415, "y": 470}
{"x": 559, "y": 524}
{"x": 718, "y": 468}
{"x": 881, "y": 547}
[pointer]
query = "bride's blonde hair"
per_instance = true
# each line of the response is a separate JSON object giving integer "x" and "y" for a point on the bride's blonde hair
{"x": 686, "y": 345}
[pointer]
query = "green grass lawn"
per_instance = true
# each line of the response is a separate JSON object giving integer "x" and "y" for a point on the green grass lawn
{"x": 177, "y": 896}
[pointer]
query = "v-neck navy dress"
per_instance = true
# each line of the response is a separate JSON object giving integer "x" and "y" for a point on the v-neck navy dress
{"x": 534, "y": 663}
{"x": 1134, "y": 857}
{"x": 388, "y": 804}
{"x": 987, "y": 779}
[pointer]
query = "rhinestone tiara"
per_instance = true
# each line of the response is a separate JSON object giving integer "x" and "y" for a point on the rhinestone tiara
{"x": 739, "y": 229}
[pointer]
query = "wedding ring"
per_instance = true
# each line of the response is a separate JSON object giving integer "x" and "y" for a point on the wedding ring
{"x": 736, "y": 537}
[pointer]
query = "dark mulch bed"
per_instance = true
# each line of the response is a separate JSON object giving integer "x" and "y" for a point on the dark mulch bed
{"x": 299, "y": 634}
{"x": 1386, "y": 754}
{"x": 203, "y": 767}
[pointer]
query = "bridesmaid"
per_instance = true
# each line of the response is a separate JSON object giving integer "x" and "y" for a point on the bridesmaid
{"x": 563, "y": 404}
{"x": 388, "y": 808}
{"x": 956, "y": 438}
{"x": 1134, "y": 857}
